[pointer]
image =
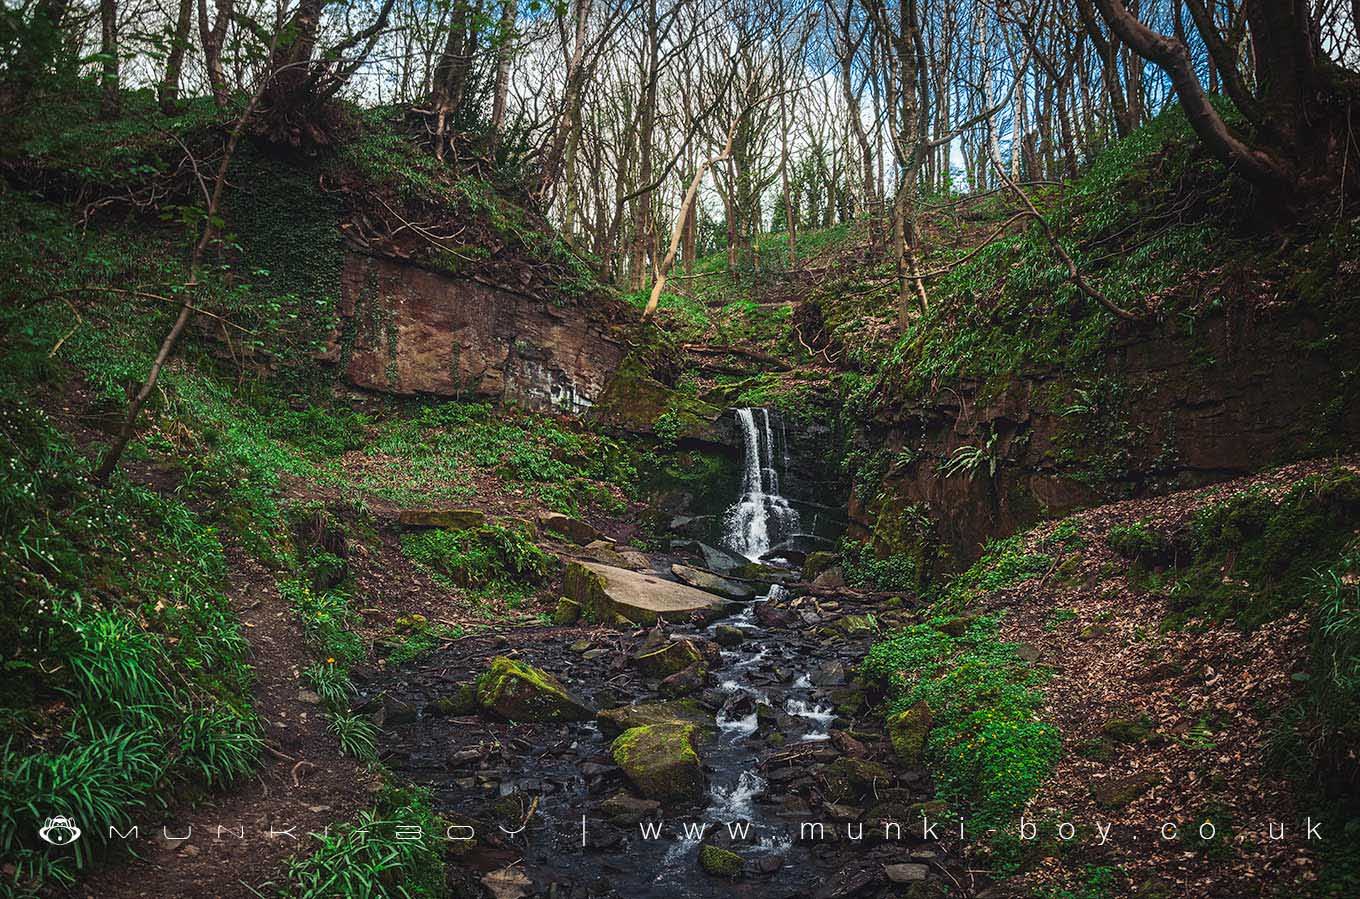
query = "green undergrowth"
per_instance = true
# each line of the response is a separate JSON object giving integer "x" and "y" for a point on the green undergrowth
{"x": 988, "y": 748}
{"x": 1004, "y": 563}
{"x": 1251, "y": 558}
{"x": 391, "y": 850}
{"x": 125, "y": 675}
{"x": 434, "y": 452}
{"x": 493, "y": 554}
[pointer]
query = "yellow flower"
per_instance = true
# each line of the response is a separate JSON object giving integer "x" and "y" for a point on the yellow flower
{"x": 330, "y": 661}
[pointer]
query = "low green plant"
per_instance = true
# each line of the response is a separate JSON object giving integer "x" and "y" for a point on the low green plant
{"x": 988, "y": 747}
{"x": 358, "y": 736}
{"x": 368, "y": 859}
{"x": 492, "y": 553}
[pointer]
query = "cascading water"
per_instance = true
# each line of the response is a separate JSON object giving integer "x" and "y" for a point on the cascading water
{"x": 761, "y": 516}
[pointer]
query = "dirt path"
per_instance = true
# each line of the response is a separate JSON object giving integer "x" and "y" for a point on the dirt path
{"x": 301, "y": 787}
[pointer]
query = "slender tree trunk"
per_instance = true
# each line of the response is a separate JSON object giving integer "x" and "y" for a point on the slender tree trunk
{"x": 504, "y": 55}
{"x": 174, "y": 62}
{"x": 212, "y": 34}
{"x": 108, "y": 50}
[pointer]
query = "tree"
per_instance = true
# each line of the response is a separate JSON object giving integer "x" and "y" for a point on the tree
{"x": 1300, "y": 114}
{"x": 168, "y": 90}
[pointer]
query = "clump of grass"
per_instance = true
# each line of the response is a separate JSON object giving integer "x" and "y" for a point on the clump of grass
{"x": 368, "y": 858}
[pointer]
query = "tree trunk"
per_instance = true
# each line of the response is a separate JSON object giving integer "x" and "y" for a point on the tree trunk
{"x": 108, "y": 50}
{"x": 213, "y": 34}
{"x": 504, "y": 54}
{"x": 174, "y": 62}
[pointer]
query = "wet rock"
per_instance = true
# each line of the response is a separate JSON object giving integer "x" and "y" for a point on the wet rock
{"x": 767, "y": 864}
{"x": 580, "y": 646}
{"x": 464, "y": 757}
{"x": 828, "y": 674}
{"x": 670, "y": 657}
{"x": 508, "y": 883}
{"x": 772, "y": 616}
{"x": 729, "y": 636}
{"x": 625, "y": 810}
{"x": 615, "y": 721}
{"x": 817, "y": 562}
{"x": 512, "y": 690}
{"x": 848, "y": 744}
{"x": 462, "y": 701}
{"x": 906, "y": 873}
{"x": 832, "y": 578}
{"x": 568, "y": 611}
{"x": 662, "y": 761}
{"x": 712, "y": 583}
{"x": 853, "y": 880}
{"x": 721, "y": 561}
{"x": 848, "y": 701}
{"x": 720, "y": 862}
{"x": 452, "y": 519}
{"x": 573, "y": 529}
{"x": 607, "y": 593}
{"x": 908, "y": 731}
{"x": 686, "y": 682}
{"x": 852, "y": 778}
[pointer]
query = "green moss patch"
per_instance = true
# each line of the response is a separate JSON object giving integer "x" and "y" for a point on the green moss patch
{"x": 661, "y": 761}
{"x": 516, "y": 691}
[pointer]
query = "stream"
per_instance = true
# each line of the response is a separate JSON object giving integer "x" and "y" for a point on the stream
{"x": 796, "y": 763}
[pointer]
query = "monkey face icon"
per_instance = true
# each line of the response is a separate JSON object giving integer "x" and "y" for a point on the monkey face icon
{"x": 59, "y": 831}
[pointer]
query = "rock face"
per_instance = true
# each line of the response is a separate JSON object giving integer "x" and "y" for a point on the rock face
{"x": 512, "y": 690}
{"x": 661, "y": 761}
{"x": 606, "y": 592}
{"x": 1171, "y": 410}
{"x": 408, "y": 330}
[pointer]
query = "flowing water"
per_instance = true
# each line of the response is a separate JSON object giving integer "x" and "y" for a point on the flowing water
{"x": 771, "y": 701}
{"x": 761, "y": 517}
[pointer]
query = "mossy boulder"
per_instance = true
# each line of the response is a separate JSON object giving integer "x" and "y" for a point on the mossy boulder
{"x": 817, "y": 562}
{"x": 1124, "y": 730}
{"x": 720, "y": 862}
{"x": 568, "y": 611}
{"x": 662, "y": 761}
{"x": 462, "y": 701}
{"x": 849, "y": 778}
{"x": 1118, "y": 792}
{"x": 573, "y": 529}
{"x": 684, "y": 711}
{"x": 672, "y": 657}
{"x": 908, "y": 731}
{"x": 635, "y": 401}
{"x": 512, "y": 690}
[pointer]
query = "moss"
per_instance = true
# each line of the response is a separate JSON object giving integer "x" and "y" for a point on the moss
{"x": 1123, "y": 730}
{"x": 682, "y": 711}
{"x": 908, "y": 731}
{"x": 674, "y": 656}
{"x": 567, "y": 612}
{"x": 1253, "y": 557}
{"x": 720, "y": 862}
{"x": 519, "y": 692}
{"x": 661, "y": 760}
{"x": 1140, "y": 543}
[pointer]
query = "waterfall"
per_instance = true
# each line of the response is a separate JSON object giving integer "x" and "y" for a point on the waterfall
{"x": 761, "y": 516}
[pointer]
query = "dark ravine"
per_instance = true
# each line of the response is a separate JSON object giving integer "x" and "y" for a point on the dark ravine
{"x": 802, "y": 786}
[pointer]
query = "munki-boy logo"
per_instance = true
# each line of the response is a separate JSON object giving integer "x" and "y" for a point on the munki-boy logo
{"x": 59, "y": 831}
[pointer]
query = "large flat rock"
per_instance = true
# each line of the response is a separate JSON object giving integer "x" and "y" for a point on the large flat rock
{"x": 606, "y": 592}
